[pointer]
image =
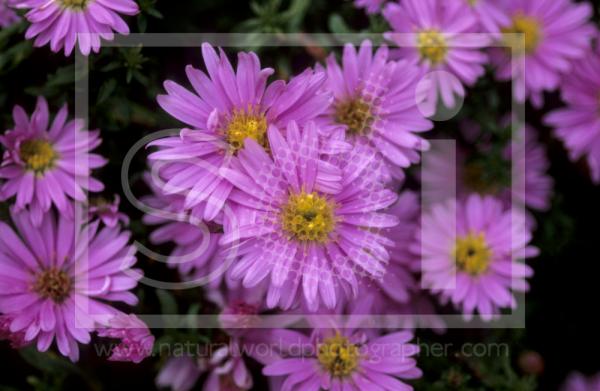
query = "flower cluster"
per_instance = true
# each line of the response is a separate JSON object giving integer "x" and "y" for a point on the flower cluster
{"x": 297, "y": 196}
{"x": 60, "y": 269}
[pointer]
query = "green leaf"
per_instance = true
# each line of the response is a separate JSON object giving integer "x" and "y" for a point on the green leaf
{"x": 106, "y": 90}
{"x": 168, "y": 305}
{"x": 337, "y": 25}
{"x": 49, "y": 362}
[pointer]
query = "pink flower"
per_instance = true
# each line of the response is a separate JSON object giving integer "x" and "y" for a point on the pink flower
{"x": 577, "y": 382}
{"x": 59, "y": 22}
{"x": 45, "y": 273}
{"x": 106, "y": 211}
{"x": 135, "y": 340}
{"x": 578, "y": 124}
{"x": 370, "y": 6}
{"x": 44, "y": 166}
{"x": 179, "y": 373}
{"x": 471, "y": 263}
{"x": 344, "y": 359}
{"x": 306, "y": 226}
{"x": 490, "y": 14}
{"x": 557, "y": 34}
{"x": 375, "y": 105}
{"x": 16, "y": 339}
{"x": 430, "y": 33}
{"x": 226, "y": 108}
{"x": 7, "y": 15}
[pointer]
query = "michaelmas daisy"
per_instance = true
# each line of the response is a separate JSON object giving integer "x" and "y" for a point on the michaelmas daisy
{"x": 472, "y": 265}
{"x": 46, "y": 274}
{"x": 45, "y": 164}
{"x": 64, "y": 23}
{"x": 308, "y": 227}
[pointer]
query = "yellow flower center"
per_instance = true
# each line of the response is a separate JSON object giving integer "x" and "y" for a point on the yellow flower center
{"x": 338, "y": 356}
{"x": 245, "y": 124}
{"x": 527, "y": 25}
{"x": 472, "y": 254}
{"x": 356, "y": 114}
{"x": 54, "y": 284}
{"x": 432, "y": 46}
{"x": 38, "y": 155}
{"x": 308, "y": 217}
{"x": 472, "y": 2}
{"x": 77, "y": 5}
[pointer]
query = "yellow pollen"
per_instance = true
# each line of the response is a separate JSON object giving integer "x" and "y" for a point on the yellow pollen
{"x": 432, "y": 46}
{"x": 77, "y": 5}
{"x": 524, "y": 25}
{"x": 472, "y": 254}
{"x": 38, "y": 155}
{"x": 472, "y": 2}
{"x": 245, "y": 124}
{"x": 338, "y": 356}
{"x": 356, "y": 114}
{"x": 54, "y": 284}
{"x": 308, "y": 217}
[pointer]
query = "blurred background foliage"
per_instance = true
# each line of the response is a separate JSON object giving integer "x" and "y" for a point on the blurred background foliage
{"x": 561, "y": 332}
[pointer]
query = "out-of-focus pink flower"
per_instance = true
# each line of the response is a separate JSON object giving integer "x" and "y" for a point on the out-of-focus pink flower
{"x": 59, "y": 22}
{"x": 106, "y": 211}
{"x": 578, "y": 124}
{"x": 135, "y": 340}
{"x": 578, "y": 382}
{"x": 558, "y": 33}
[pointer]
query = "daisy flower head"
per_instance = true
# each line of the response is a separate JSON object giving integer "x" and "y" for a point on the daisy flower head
{"x": 440, "y": 37}
{"x": 46, "y": 272}
{"x": 557, "y": 33}
{"x": 65, "y": 23}
{"x": 47, "y": 165}
{"x": 473, "y": 266}
{"x": 375, "y": 104}
{"x": 578, "y": 382}
{"x": 8, "y": 16}
{"x": 227, "y": 107}
{"x": 307, "y": 226}
{"x": 344, "y": 359}
{"x": 578, "y": 124}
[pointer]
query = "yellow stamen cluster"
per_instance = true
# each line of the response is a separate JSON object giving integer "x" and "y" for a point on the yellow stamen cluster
{"x": 338, "y": 356}
{"x": 38, "y": 155}
{"x": 245, "y": 124}
{"x": 77, "y": 5}
{"x": 472, "y": 3}
{"x": 308, "y": 217}
{"x": 472, "y": 254}
{"x": 356, "y": 114}
{"x": 432, "y": 46}
{"x": 527, "y": 25}
{"x": 54, "y": 284}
